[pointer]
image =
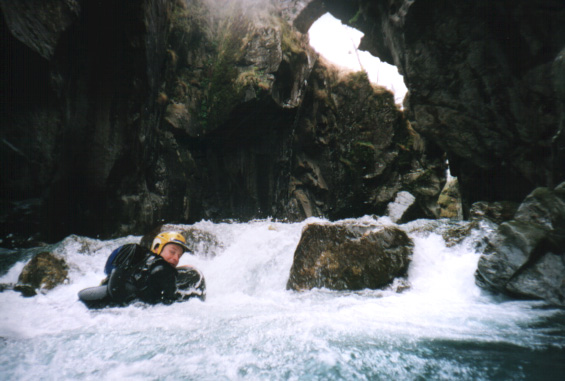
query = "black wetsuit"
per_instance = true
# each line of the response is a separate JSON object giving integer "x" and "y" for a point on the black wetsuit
{"x": 152, "y": 281}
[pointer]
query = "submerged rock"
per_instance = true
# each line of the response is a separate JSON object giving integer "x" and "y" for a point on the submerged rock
{"x": 45, "y": 271}
{"x": 349, "y": 257}
{"x": 526, "y": 256}
{"x": 25, "y": 289}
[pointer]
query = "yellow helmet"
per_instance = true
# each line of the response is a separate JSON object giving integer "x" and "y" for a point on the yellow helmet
{"x": 168, "y": 237}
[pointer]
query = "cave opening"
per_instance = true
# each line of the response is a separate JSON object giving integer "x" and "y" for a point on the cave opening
{"x": 339, "y": 44}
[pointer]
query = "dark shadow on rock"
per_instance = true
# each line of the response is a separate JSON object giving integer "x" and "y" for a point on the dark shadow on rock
{"x": 349, "y": 257}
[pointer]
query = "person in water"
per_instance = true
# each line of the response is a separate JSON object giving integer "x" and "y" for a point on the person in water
{"x": 151, "y": 276}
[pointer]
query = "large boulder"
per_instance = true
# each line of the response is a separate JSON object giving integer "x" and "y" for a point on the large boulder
{"x": 526, "y": 257}
{"x": 349, "y": 257}
{"x": 45, "y": 271}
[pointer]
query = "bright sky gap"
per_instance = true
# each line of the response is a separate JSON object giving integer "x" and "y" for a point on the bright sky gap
{"x": 338, "y": 44}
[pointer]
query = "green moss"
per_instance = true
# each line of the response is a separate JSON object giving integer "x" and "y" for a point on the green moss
{"x": 255, "y": 78}
{"x": 189, "y": 26}
{"x": 366, "y": 145}
{"x": 353, "y": 21}
{"x": 291, "y": 44}
{"x": 361, "y": 158}
{"x": 357, "y": 79}
{"x": 222, "y": 87}
{"x": 347, "y": 163}
{"x": 363, "y": 154}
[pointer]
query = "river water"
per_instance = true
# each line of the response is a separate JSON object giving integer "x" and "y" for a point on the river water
{"x": 251, "y": 328}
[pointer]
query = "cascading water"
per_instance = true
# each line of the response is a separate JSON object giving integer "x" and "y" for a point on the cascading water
{"x": 250, "y": 327}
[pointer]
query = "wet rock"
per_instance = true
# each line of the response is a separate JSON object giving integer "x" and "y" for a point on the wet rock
{"x": 301, "y": 13}
{"x": 498, "y": 211}
{"x": 25, "y": 289}
{"x": 45, "y": 271}
{"x": 178, "y": 116}
{"x": 228, "y": 58}
{"x": 526, "y": 257}
{"x": 349, "y": 257}
{"x": 240, "y": 78}
{"x": 484, "y": 219}
{"x": 458, "y": 233}
{"x": 397, "y": 208}
{"x": 450, "y": 200}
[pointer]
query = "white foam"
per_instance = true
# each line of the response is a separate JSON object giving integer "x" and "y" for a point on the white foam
{"x": 250, "y": 327}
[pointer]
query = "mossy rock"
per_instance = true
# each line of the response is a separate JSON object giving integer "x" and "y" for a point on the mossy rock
{"x": 45, "y": 271}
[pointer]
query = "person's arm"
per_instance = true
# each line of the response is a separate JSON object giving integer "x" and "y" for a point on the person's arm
{"x": 161, "y": 284}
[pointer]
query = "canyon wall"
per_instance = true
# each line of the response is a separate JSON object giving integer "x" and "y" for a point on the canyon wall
{"x": 117, "y": 116}
{"x": 486, "y": 83}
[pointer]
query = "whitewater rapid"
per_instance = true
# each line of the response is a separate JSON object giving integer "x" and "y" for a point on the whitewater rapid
{"x": 251, "y": 327}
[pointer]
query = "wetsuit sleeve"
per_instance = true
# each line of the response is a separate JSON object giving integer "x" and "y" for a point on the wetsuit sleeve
{"x": 161, "y": 284}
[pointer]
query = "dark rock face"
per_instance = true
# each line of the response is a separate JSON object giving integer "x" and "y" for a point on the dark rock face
{"x": 80, "y": 128}
{"x": 232, "y": 92}
{"x": 39, "y": 24}
{"x": 526, "y": 257}
{"x": 177, "y": 111}
{"x": 342, "y": 257}
{"x": 485, "y": 80}
{"x": 355, "y": 152}
{"x": 44, "y": 271}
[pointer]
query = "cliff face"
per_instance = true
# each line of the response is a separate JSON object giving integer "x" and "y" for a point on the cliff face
{"x": 190, "y": 110}
{"x": 78, "y": 121}
{"x": 486, "y": 83}
{"x": 176, "y": 111}
{"x": 273, "y": 131}
{"x": 354, "y": 151}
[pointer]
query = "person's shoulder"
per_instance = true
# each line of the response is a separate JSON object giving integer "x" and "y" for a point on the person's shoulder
{"x": 158, "y": 264}
{"x": 133, "y": 246}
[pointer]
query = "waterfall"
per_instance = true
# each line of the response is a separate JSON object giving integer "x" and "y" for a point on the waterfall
{"x": 251, "y": 327}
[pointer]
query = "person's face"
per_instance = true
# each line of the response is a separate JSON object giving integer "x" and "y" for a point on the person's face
{"x": 172, "y": 253}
